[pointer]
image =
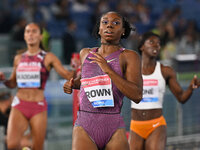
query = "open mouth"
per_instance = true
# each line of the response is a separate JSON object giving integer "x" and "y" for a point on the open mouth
{"x": 30, "y": 39}
{"x": 108, "y": 32}
{"x": 155, "y": 51}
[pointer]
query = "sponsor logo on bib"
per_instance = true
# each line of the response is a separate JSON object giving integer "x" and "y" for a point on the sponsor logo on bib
{"x": 150, "y": 90}
{"x": 28, "y": 76}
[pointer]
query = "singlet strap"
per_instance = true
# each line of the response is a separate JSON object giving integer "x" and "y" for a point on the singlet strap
{"x": 158, "y": 67}
{"x": 122, "y": 49}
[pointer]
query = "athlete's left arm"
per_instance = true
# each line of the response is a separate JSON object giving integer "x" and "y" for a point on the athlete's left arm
{"x": 132, "y": 87}
{"x": 130, "y": 62}
{"x": 171, "y": 80}
{"x": 52, "y": 61}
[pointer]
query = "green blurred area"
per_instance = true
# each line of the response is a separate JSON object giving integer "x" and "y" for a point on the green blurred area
{"x": 185, "y": 76}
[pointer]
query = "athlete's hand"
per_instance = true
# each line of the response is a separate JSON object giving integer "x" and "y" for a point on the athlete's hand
{"x": 195, "y": 82}
{"x": 2, "y": 76}
{"x": 67, "y": 87}
{"x": 100, "y": 61}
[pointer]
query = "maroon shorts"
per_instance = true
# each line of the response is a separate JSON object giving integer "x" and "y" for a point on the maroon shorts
{"x": 29, "y": 109}
{"x": 100, "y": 127}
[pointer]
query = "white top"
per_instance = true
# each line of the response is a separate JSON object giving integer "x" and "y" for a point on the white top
{"x": 153, "y": 90}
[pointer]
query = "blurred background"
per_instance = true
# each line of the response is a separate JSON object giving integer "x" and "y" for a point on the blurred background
{"x": 68, "y": 25}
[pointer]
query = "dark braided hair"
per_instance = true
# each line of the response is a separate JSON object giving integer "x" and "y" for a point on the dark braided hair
{"x": 126, "y": 26}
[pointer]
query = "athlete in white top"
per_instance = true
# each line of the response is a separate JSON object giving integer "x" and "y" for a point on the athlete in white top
{"x": 148, "y": 126}
{"x": 153, "y": 90}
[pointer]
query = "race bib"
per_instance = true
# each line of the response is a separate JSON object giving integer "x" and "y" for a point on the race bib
{"x": 150, "y": 90}
{"x": 98, "y": 91}
{"x": 28, "y": 77}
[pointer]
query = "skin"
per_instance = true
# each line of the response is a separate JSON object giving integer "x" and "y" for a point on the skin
{"x": 18, "y": 124}
{"x": 5, "y": 104}
{"x": 157, "y": 139}
{"x": 110, "y": 31}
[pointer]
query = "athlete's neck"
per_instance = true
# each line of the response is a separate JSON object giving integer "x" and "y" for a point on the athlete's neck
{"x": 31, "y": 53}
{"x": 114, "y": 44}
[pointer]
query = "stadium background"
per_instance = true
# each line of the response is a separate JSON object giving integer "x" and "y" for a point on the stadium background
{"x": 174, "y": 20}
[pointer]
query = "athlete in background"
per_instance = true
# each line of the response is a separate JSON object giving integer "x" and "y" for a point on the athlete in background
{"x": 148, "y": 126}
{"x": 30, "y": 73}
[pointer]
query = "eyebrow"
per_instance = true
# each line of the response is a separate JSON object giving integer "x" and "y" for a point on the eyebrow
{"x": 33, "y": 29}
{"x": 113, "y": 19}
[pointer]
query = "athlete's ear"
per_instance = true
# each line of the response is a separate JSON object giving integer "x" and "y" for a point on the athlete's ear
{"x": 123, "y": 32}
{"x": 141, "y": 48}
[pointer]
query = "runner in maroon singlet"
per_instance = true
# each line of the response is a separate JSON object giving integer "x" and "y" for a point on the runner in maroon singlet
{"x": 30, "y": 73}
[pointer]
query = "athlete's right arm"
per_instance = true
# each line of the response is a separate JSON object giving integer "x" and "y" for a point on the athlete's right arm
{"x": 71, "y": 84}
{"x": 76, "y": 83}
{"x": 11, "y": 82}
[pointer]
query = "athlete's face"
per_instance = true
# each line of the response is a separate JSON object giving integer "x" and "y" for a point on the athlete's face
{"x": 111, "y": 27}
{"x": 32, "y": 34}
{"x": 151, "y": 46}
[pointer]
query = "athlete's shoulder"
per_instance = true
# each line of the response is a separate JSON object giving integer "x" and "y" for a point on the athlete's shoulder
{"x": 17, "y": 59}
{"x": 128, "y": 53}
{"x": 84, "y": 52}
{"x": 167, "y": 71}
{"x": 87, "y": 50}
{"x": 165, "y": 66}
{"x": 50, "y": 58}
{"x": 18, "y": 56}
{"x": 49, "y": 53}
